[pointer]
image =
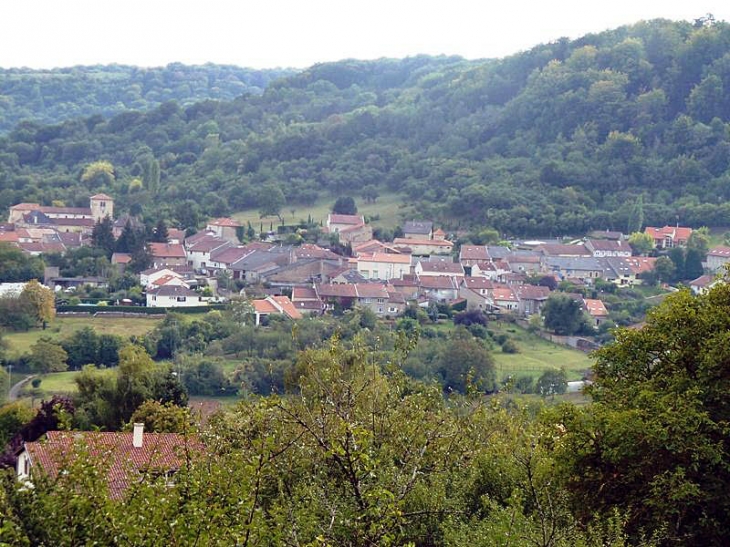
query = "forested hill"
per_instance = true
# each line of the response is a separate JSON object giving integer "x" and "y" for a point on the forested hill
{"x": 53, "y": 96}
{"x": 556, "y": 140}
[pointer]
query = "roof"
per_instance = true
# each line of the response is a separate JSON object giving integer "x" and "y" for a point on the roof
{"x": 557, "y": 249}
{"x": 159, "y": 451}
{"x": 9, "y": 237}
{"x": 42, "y": 247}
{"x": 720, "y": 251}
{"x": 262, "y": 257}
{"x": 703, "y": 281}
{"x": 532, "y": 292}
{"x": 303, "y": 293}
{"x": 438, "y": 282}
{"x": 229, "y": 255}
{"x": 174, "y": 250}
{"x": 25, "y": 207}
{"x": 504, "y": 293}
{"x": 421, "y": 227}
{"x": 66, "y": 210}
{"x": 442, "y": 266}
{"x": 335, "y": 290}
{"x": 388, "y": 258}
{"x": 640, "y": 264}
{"x": 477, "y": 283}
{"x": 607, "y": 234}
{"x": 354, "y": 220}
{"x": 371, "y": 290}
{"x": 207, "y": 243}
{"x": 473, "y": 252}
{"x": 309, "y": 250}
{"x": 175, "y": 233}
{"x": 172, "y": 290}
{"x": 121, "y": 258}
{"x": 609, "y": 245}
{"x": 225, "y": 223}
{"x": 264, "y": 307}
{"x": 679, "y": 233}
{"x": 286, "y": 306}
{"x": 407, "y": 242}
{"x": 373, "y": 245}
{"x": 595, "y": 308}
{"x": 101, "y": 196}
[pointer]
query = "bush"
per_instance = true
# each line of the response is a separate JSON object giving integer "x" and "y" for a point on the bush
{"x": 509, "y": 346}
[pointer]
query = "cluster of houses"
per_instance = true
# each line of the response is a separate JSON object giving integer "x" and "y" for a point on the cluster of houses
{"x": 418, "y": 267}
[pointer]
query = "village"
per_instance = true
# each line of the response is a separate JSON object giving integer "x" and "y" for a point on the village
{"x": 346, "y": 266}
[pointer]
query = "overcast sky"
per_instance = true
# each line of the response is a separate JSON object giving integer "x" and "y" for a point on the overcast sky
{"x": 299, "y": 33}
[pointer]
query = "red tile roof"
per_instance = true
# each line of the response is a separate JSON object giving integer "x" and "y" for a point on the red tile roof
{"x": 442, "y": 266}
{"x": 114, "y": 452}
{"x": 407, "y": 242}
{"x": 345, "y": 219}
{"x": 225, "y": 223}
{"x": 101, "y": 196}
{"x": 167, "y": 250}
{"x": 595, "y": 308}
{"x": 676, "y": 233}
{"x": 473, "y": 252}
{"x": 720, "y": 251}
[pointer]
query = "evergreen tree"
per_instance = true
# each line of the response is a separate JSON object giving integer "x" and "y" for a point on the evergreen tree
{"x": 636, "y": 218}
{"x": 160, "y": 233}
{"x": 102, "y": 236}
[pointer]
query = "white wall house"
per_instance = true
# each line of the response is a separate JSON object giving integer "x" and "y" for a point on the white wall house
{"x": 383, "y": 265}
{"x": 173, "y": 296}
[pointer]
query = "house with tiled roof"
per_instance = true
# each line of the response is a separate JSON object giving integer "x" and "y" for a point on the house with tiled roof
{"x": 275, "y": 305}
{"x": 703, "y": 283}
{"x": 505, "y": 299}
{"x": 717, "y": 258}
{"x": 165, "y": 254}
{"x": 373, "y": 246}
{"x": 253, "y": 267}
{"x": 173, "y": 296}
{"x": 383, "y": 265}
{"x": 199, "y": 247}
{"x": 423, "y": 247}
{"x": 531, "y": 298}
{"x": 601, "y": 248}
{"x": 559, "y": 249}
{"x": 418, "y": 229}
{"x": 124, "y": 458}
{"x": 446, "y": 268}
{"x": 349, "y": 228}
{"x": 439, "y": 287}
{"x": 306, "y": 301}
{"x": 596, "y": 310}
{"x": 469, "y": 255}
{"x": 669, "y": 236}
{"x": 225, "y": 228}
{"x": 477, "y": 292}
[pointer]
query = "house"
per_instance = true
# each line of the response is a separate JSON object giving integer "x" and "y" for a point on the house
{"x": 717, "y": 258}
{"x": 125, "y": 458}
{"x": 446, "y": 268}
{"x": 559, "y": 249}
{"x": 406, "y": 286}
{"x": 222, "y": 258}
{"x": 199, "y": 247}
{"x": 575, "y": 267}
{"x": 597, "y": 310}
{"x": 275, "y": 305}
{"x": 669, "y": 236}
{"x": 606, "y": 234}
{"x": 477, "y": 292}
{"x": 383, "y": 265}
{"x": 374, "y": 296}
{"x": 373, "y": 246}
{"x": 469, "y": 255}
{"x": 165, "y": 254}
{"x": 224, "y": 228}
{"x": 495, "y": 271}
{"x": 423, "y": 247}
{"x": 349, "y": 228}
{"x": 438, "y": 287}
{"x": 254, "y": 266}
{"x": 121, "y": 260}
{"x": 505, "y": 299}
{"x": 703, "y": 284}
{"x": 174, "y": 296}
{"x": 640, "y": 265}
{"x": 531, "y": 298}
{"x": 127, "y": 220}
{"x": 524, "y": 262}
{"x": 306, "y": 301}
{"x": 601, "y": 248}
{"x": 151, "y": 275}
{"x": 63, "y": 219}
{"x": 619, "y": 271}
{"x": 175, "y": 236}
{"x": 418, "y": 229}
{"x": 336, "y": 295}
{"x": 302, "y": 273}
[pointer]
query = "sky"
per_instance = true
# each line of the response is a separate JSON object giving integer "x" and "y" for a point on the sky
{"x": 300, "y": 33}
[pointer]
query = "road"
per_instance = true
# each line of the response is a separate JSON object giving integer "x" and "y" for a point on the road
{"x": 13, "y": 395}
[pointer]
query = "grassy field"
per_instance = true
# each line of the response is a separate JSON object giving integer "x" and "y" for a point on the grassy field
{"x": 535, "y": 355}
{"x": 56, "y": 383}
{"x": 390, "y": 207}
{"x": 63, "y": 327}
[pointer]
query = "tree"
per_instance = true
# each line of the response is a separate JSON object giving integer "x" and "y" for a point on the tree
{"x": 41, "y": 302}
{"x": 271, "y": 201}
{"x": 636, "y": 218}
{"x": 641, "y": 243}
{"x": 160, "y": 232}
{"x": 564, "y": 315}
{"x": 664, "y": 269}
{"x": 552, "y": 382}
{"x": 344, "y": 205}
{"x": 699, "y": 240}
{"x": 97, "y": 174}
{"x": 369, "y": 193}
{"x": 102, "y": 236}
{"x": 47, "y": 356}
{"x": 465, "y": 363}
{"x": 654, "y": 443}
{"x": 16, "y": 266}
{"x": 162, "y": 418}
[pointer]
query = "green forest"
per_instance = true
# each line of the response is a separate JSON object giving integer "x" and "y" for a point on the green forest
{"x": 552, "y": 141}
{"x": 52, "y": 96}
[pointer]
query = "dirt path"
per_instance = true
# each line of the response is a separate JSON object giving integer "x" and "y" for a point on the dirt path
{"x": 13, "y": 395}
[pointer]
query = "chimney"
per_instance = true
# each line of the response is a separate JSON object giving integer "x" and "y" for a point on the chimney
{"x": 137, "y": 435}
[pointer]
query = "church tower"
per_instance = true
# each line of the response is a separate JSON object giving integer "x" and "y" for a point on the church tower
{"x": 101, "y": 206}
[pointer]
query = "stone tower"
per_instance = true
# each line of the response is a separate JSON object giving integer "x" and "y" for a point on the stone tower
{"x": 101, "y": 206}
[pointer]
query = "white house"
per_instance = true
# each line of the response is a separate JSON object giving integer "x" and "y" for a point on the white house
{"x": 383, "y": 265}
{"x": 150, "y": 276}
{"x": 174, "y": 296}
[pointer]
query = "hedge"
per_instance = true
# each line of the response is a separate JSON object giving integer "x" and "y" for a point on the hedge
{"x": 137, "y": 309}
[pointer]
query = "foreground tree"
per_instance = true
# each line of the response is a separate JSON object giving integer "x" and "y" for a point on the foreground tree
{"x": 655, "y": 442}
{"x": 41, "y": 302}
{"x": 564, "y": 315}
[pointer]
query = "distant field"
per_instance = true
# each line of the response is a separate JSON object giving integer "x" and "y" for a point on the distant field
{"x": 536, "y": 354}
{"x": 56, "y": 383}
{"x": 390, "y": 207}
{"x": 63, "y": 327}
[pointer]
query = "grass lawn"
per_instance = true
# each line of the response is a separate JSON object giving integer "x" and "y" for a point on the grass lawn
{"x": 390, "y": 207}
{"x": 63, "y": 327}
{"x": 535, "y": 355}
{"x": 56, "y": 383}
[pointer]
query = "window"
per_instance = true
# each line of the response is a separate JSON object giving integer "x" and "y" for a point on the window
{"x": 181, "y": 299}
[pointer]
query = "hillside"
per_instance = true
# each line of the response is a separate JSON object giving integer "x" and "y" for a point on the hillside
{"x": 556, "y": 140}
{"x": 53, "y": 96}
